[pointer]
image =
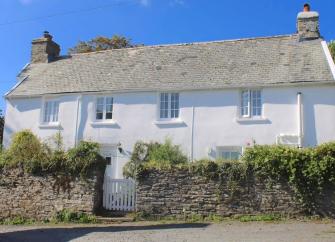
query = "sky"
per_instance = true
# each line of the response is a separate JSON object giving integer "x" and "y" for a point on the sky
{"x": 148, "y": 22}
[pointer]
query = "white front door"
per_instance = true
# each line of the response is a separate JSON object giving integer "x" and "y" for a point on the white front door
{"x": 110, "y": 154}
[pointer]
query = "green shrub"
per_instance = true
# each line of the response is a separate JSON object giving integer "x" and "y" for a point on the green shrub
{"x": 26, "y": 151}
{"x": 84, "y": 158}
{"x": 167, "y": 153}
{"x": 153, "y": 155}
{"x": 309, "y": 171}
{"x": 206, "y": 168}
{"x": 66, "y": 216}
{"x": 35, "y": 157}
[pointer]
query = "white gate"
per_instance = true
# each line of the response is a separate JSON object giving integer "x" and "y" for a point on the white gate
{"x": 119, "y": 194}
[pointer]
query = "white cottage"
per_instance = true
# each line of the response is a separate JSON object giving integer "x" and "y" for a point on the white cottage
{"x": 213, "y": 98}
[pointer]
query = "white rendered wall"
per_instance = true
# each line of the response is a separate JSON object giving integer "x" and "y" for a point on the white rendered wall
{"x": 215, "y": 124}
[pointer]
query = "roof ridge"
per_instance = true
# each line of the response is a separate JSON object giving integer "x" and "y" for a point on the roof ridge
{"x": 190, "y": 43}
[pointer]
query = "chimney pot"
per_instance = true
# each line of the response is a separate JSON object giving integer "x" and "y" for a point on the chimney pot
{"x": 307, "y": 7}
{"x": 47, "y": 35}
{"x": 44, "y": 50}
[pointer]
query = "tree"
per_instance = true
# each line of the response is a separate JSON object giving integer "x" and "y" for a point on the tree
{"x": 2, "y": 123}
{"x": 102, "y": 43}
{"x": 332, "y": 49}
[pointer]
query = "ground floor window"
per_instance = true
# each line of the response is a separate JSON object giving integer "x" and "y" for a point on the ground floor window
{"x": 229, "y": 152}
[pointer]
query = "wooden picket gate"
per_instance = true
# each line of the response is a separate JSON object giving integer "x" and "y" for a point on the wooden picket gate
{"x": 119, "y": 194}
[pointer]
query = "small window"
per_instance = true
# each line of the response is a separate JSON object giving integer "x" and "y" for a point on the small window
{"x": 50, "y": 111}
{"x": 109, "y": 160}
{"x": 104, "y": 108}
{"x": 169, "y": 106}
{"x": 229, "y": 153}
{"x": 251, "y": 103}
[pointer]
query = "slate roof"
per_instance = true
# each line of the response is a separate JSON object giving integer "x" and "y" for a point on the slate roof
{"x": 257, "y": 62}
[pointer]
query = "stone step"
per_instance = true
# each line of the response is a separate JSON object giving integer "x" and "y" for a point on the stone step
{"x": 114, "y": 219}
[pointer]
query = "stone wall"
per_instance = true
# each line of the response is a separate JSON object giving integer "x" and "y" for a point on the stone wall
{"x": 40, "y": 197}
{"x": 180, "y": 193}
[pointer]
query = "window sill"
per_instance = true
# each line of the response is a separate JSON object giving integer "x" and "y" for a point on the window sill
{"x": 169, "y": 122}
{"x": 104, "y": 123}
{"x": 50, "y": 125}
{"x": 253, "y": 120}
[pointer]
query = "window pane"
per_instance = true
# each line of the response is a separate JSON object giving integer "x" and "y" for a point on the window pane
{"x": 51, "y": 110}
{"x": 245, "y": 103}
{"x": 100, "y": 108}
{"x": 164, "y": 105}
{"x": 99, "y": 116}
{"x": 46, "y": 118}
{"x": 174, "y": 105}
{"x": 55, "y": 111}
{"x": 109, "y": 115}
{"x": 109, "y": 160}
{"x": 100, "y": 101}
{"x": 235, "y": 155}
{"x": 256, "y": 103}
{"x": 99, "y": 113}
{"x": 109, "y": 101}
{"x": 109, "y": 108}
{"x": 230, "y": 153}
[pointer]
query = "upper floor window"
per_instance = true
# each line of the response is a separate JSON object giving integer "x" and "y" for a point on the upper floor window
{"x": 50, "y": 111}
{"x": 251, "y": 103}
{"x": 104, "y": 108}
{"x": 169, "y": 106}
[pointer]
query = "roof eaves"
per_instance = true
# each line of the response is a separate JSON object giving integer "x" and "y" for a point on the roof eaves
{"x": 274, "y": 84}
{"x": 20, "y": 80}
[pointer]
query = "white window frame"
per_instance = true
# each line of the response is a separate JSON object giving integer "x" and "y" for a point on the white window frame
{"x": 250, "y": 104}
{"x": 169, "y": 110}
{"x": 104, "y": 112}
{"x": 52, "y": 122}
{"x": 231, "y": 149}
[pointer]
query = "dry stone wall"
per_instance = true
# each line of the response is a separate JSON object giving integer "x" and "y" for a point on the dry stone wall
{"x": 181, "y": 193}
{"x": 40, "y": 197}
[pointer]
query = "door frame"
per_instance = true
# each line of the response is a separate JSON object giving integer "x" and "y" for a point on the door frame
{"x": 111, "y": 150}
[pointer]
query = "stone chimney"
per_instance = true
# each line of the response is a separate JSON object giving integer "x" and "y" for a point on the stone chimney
{"x": 44, "y": 50}
{"x": 308, "y": 24}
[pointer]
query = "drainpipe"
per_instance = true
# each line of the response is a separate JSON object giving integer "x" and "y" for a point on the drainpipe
{"x": 300, "y": 120}
{"x": 78, "y": 118}
{"x": 192, "y": 135}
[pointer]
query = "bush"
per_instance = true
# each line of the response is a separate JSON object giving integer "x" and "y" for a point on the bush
{"x": 160, "y": 156}
{"x": 35, "y": 157}
{"x": 167, "y": 153}
{"x": 84, "y": 158}
{"x": 309, "y": 171}
{"x": 27, "y": 152}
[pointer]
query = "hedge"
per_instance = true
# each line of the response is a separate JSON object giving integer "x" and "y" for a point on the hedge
{"x": 36, "y": 157}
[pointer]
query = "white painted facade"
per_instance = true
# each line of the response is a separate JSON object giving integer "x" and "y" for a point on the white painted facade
{"x": 208, "y": 120}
